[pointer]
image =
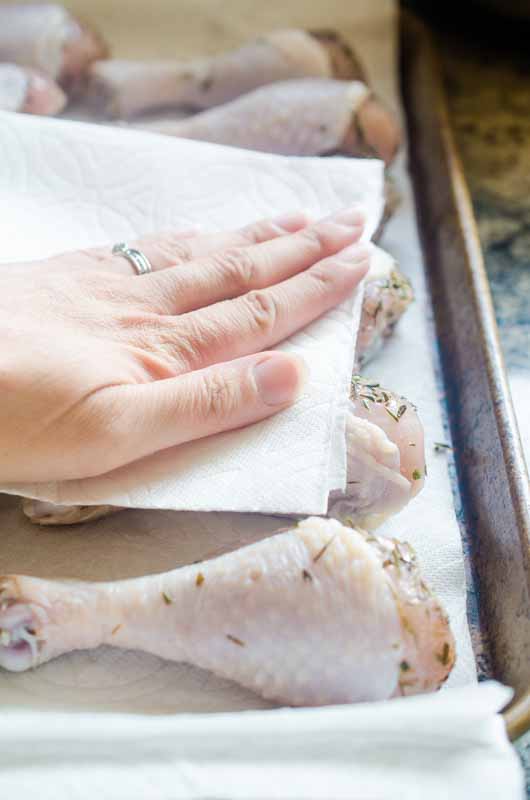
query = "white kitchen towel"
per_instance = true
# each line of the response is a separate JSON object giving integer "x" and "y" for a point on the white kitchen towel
{"x": 450, "y": 745}
{"x": 73, "y": 185}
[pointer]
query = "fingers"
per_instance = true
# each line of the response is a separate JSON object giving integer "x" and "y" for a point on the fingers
{"x": 259, "y": 319}
{"x": 166, "y": 250}
{"x": 154, "y": 416}
{"x": 173, "y": 248}
{"x": 235, "y": 271}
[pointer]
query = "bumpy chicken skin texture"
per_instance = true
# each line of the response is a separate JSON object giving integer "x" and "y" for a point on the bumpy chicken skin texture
{"x": 258, "y": 616}
{"x": 385, "y": 456}
{"x": 305, "y": 117}
{"x": 387, "y": 295}
{"x": 123, "y": 88}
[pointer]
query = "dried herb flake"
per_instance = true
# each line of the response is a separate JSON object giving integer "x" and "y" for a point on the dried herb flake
{"x": 443, "y": 657}
{"x": 440, "y": 447}
{"x": 206, "y": 84}
{"x": 235, "y": 640}
{"x": 323, "y": 549}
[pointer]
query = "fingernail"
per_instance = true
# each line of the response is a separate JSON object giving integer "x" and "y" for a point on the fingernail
{"x": 351, "y": 217}
{"x": 279, "y": 378}
{"x": 292, "y": 220}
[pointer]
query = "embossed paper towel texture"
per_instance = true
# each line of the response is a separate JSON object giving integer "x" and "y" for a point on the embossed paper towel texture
{"x": 76, "y": 185}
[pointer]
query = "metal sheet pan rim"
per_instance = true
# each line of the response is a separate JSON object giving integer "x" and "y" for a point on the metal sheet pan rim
{"x": 419, "y": 65}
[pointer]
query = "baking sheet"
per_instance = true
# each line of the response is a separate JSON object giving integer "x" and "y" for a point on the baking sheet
{"x": 135, "y": 542}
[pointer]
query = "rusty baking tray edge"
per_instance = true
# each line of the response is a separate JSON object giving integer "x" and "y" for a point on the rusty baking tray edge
{"x": 490, "y": 465}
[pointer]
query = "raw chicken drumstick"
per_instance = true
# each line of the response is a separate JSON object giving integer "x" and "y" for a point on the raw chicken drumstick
{"x": 23, "y": 89}
{"x": 387, "y": 295}
{"x": 259, "y": 616}
{"x": 48, "y": 38}
{"x": 306, "y": 117}
{"x": 385, "y": 456}
{"x": 124, "y": 88}
{"x": 386, "y": 464}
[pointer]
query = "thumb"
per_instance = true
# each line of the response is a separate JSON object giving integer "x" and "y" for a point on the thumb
{"x": 154, "y": 416}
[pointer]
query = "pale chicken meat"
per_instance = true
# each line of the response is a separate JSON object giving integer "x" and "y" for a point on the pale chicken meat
{"x": 385, "y": 456}
{"x": 31, "y": 92}
{"x": 313, "y": 615}
{"x": 123, "y": 88}
{"x": 305, "y": 117}
{"x": 49, "y": 39}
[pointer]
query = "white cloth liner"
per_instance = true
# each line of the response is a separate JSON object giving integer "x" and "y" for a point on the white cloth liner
{"x": 450, "y": 745}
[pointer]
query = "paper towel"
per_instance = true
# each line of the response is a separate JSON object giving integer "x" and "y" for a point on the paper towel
{"x": 451, "y": 745}
{"x": 74, "y": 185}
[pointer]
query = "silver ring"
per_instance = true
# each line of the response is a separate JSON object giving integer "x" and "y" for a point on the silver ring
{"x": 136, "y": 258}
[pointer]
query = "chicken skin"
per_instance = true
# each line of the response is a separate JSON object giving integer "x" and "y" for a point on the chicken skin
{"x": 316, "y": 614}
{"x": 122, "y": 88}
{"x": 306, "y": 117}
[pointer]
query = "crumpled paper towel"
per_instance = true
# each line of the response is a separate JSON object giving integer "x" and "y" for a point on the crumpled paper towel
{"x": 449, "y": 745}
{"x": 66, "y": 185}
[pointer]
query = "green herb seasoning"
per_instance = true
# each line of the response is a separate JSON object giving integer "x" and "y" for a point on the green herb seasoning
{"x": 235, "y": 640}
{"x": 323, "y": 549}
{"x": 441, "y": 447}
{"x": 443, "y": 657}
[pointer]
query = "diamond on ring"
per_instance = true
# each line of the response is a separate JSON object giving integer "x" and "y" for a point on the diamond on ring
{"x": 136, "y": 258}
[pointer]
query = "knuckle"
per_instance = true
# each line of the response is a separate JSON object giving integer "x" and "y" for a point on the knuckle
{"x": 137, "y": 324}
{"x": 189, "y": 346}
{"x": 172, "y": 249}
{"x": 262, "y": 310}
{"x": 237, "y": 268}
{"x": 314, "y": 237}
{"x": 324, "y": 278}
{"x": 100, "y": 421}
{"x": 261, "y": 231}
{"x": 158, "y": 338}
{"x": 217, "y": 397}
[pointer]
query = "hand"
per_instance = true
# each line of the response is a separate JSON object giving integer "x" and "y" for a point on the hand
{"x": 100, "y": 367}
